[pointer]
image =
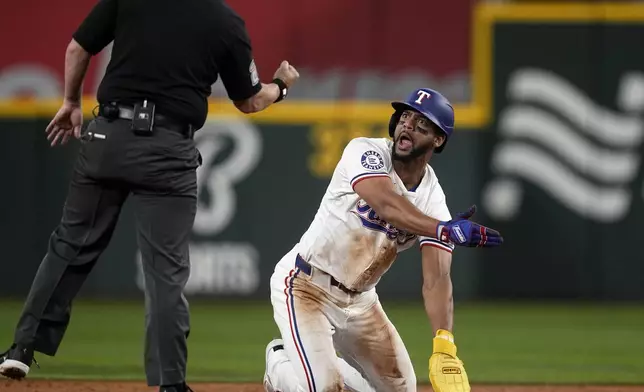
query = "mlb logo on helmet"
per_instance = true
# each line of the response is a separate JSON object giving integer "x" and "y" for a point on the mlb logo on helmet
{"x": 432, "y": 105}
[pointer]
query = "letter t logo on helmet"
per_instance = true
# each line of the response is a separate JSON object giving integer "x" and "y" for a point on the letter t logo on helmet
{"x": 422, "y": 95}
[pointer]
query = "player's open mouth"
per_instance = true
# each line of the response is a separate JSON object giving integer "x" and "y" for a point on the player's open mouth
{"x": 404, "y": 142}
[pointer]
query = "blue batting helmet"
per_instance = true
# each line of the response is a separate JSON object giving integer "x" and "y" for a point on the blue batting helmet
{"x": 431, "y": 104}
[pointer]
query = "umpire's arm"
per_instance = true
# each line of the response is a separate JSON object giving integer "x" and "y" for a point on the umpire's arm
{"x": 437, "y": 287}
{"x": 241, "y": 78}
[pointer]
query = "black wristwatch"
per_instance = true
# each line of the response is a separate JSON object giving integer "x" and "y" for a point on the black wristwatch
{"x": 283, "y": 89}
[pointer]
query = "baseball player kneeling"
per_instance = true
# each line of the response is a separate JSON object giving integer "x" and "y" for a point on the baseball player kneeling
{"x": 382, "y": 198}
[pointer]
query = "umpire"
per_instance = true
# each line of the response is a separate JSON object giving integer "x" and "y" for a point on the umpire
{"x": 166, "y": 56}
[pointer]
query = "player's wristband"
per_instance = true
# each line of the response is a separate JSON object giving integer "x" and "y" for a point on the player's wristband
{"x": 444, "y": 334}
{"x": 283, "y": 89}
{"x": 444, "y": 343}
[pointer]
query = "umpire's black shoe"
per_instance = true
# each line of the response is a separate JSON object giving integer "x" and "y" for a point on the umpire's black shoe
{"x": 15, "y": 363}
{"x": 175, "y": 388}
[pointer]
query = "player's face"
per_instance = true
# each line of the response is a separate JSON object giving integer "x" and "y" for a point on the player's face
{"x": 414, "y": 136}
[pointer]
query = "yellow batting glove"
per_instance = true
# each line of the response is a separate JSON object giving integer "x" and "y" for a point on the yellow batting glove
{"x": 446, "y": 371}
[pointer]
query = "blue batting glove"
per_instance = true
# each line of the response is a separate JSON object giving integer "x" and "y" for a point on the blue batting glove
{"x": 463, "y": 232}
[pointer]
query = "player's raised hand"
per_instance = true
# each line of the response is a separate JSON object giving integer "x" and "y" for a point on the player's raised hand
{"x": 287, "y": 73}
{"x": 66, "y": 123}
{"x": 463, "y": 232}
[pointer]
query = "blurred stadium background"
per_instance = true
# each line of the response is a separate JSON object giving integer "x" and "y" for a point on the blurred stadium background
{"x": 549, "y": 100}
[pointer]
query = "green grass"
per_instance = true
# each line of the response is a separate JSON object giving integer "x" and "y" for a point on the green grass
{"x": 498, "y": 342}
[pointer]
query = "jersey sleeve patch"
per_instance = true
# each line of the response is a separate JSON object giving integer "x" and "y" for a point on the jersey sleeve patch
{"x": 372, "y": 160}
{"x": 426, "y": 241}
{"x": 363, "y": 158}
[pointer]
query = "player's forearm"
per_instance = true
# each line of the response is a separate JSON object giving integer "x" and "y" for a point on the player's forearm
{"x": 76, "y": 63}
{"x": 439, "y": 306}
{"x": 401, "y": 213}
{"x": 260, "y": 101}
{"x": 437, "y": 295}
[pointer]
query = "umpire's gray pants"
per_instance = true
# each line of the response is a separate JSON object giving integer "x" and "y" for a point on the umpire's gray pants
{"x": 159, "y": 172}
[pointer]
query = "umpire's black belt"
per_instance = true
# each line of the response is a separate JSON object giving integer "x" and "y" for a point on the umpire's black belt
{"x": 125, "y": 112}
{"x": 307, "y": 268}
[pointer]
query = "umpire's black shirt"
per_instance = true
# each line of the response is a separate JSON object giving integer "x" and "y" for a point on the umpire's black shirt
{"x": 170, "y": 52}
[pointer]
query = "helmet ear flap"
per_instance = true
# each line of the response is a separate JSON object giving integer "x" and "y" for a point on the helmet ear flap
{"x": 393, "y": 121}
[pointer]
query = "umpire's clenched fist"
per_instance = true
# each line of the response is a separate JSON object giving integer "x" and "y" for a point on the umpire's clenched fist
{"x": 287, "y": 73}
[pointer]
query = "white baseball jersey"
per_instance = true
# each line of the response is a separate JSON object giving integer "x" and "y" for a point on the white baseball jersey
{"x": 347, "y": 239}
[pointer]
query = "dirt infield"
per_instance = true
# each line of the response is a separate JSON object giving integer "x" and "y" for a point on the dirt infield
{"x": 111, "y": 386}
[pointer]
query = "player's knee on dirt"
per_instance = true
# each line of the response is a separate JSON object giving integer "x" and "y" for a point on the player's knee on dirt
{"x": 334, "y": 387}
{"x": 402, "y": 384}
{"x": 333, "y": 382}
{"x": 410, "y": 381}
{"x": 400, "y": 378}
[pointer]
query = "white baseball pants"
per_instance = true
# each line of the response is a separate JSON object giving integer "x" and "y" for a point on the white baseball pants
{"x": 319, "y": 322}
